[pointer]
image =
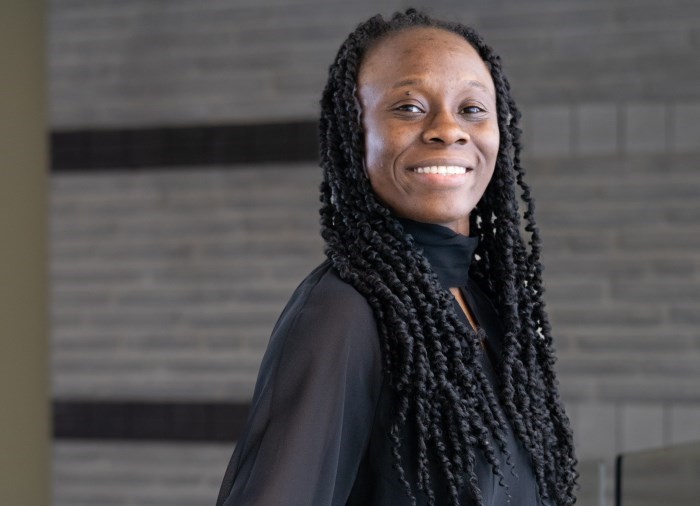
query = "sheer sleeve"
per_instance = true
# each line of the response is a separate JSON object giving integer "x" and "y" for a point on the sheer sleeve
{"x": 314, "y": 402}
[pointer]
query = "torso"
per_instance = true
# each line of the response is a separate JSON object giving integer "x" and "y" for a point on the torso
{"x": 344, "y": 454}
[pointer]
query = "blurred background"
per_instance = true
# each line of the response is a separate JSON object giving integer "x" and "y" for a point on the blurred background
{"x": 182, "y": 212}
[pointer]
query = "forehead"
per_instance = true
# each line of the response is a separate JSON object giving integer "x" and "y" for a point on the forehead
{"x": 421, "y": 50}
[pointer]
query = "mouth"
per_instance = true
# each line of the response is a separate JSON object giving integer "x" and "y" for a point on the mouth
{"x": 443, "y": 170}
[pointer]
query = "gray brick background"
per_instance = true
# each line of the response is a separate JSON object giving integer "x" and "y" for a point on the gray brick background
{"x": 166, "y": 283}
{"x": 143, "y": 474}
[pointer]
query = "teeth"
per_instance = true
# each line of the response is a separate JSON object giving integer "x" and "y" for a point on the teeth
{"x": 441, "y": 169}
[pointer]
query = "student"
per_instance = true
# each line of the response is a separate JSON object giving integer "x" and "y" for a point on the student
{"x": 414, "y": 366}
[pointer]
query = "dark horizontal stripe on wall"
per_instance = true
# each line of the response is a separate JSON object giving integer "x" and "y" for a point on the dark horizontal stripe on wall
{"x": 162, "y": 421}
{"x": 177, "y": 146}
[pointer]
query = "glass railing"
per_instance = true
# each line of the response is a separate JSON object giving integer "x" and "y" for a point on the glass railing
{"x": 666, "y": 476}
{"x": 593, "y": 482}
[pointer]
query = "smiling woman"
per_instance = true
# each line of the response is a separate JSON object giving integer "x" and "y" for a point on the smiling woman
{"x": 415, "y": 365}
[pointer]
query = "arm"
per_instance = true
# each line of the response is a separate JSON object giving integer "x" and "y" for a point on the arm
{"x": 314, "y": 402}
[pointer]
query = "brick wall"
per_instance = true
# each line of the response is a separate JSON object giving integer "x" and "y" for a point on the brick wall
{"x": 166, "y": 283}
{"x": 100, "y": 473}
{"x": 187, "y": 61}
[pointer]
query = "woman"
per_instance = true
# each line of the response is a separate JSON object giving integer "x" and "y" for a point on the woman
{"x": 414, "y": 366}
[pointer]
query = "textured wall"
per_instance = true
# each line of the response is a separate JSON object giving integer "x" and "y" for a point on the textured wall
{"x": 137, "y": 474}
{"x": 182, "y": 61}
{"x": 166, "y": 284}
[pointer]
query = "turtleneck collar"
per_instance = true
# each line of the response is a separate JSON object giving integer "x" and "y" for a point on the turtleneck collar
{"x": 449, "y": 253}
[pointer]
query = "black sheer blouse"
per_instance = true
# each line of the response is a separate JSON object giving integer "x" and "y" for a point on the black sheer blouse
{"x": 317, "y": 432}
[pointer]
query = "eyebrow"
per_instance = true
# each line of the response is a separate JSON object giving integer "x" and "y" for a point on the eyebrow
{"x": 414, "y": 82}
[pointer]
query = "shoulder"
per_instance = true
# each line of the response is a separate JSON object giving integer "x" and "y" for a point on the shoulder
{"x": 323, "y": 298}
{"x": 324, "y": 287}
{"x": 327, "y": 317}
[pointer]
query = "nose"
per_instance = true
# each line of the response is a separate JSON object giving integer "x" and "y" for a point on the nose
{"x": 444, "y": 128}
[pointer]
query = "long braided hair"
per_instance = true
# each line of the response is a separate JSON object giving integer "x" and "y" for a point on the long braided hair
{"x": 430, "y": 358}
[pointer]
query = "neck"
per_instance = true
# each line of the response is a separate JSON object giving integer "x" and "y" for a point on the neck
{"x": 462, "y": 227}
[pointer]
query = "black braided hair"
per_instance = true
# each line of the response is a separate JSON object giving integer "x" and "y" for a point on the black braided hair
{"x": 442, "y": 393}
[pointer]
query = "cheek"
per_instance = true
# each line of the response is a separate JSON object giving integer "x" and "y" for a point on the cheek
{"x": 489, "y": 149}
{"x": 490, "y": 145}
{"x": 493, "y": 140}
{"x": 374, "y": 150}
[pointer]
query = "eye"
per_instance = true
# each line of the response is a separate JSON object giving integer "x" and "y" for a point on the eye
{"x": 409, "y": 108}
{"x": 472, "y": 109}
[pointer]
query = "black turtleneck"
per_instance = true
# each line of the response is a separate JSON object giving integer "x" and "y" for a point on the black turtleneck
{"x": 449, "y": 253}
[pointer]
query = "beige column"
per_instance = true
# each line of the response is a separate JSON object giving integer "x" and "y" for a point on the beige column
{"x": 24, "y": 378}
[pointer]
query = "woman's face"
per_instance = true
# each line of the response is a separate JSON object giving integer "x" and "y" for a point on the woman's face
{"x": 430, "y": 124}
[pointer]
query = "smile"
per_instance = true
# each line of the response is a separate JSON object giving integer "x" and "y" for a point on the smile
{"x": 441, "y": 169}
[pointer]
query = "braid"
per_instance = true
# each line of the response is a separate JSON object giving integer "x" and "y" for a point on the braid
{"x": 430, "y": 358}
